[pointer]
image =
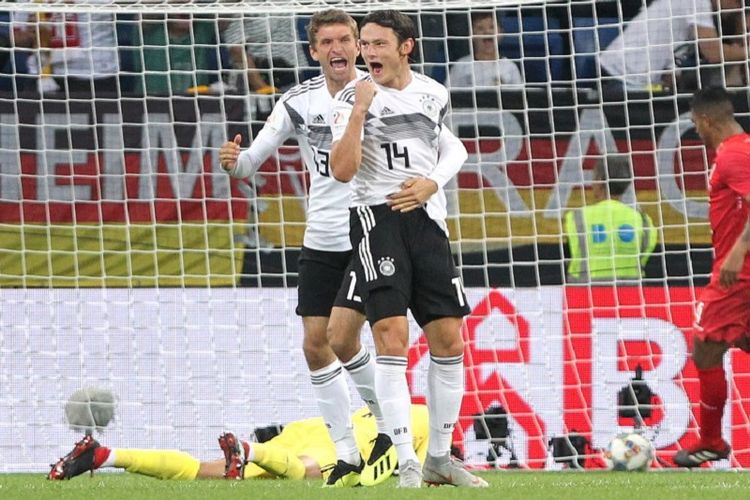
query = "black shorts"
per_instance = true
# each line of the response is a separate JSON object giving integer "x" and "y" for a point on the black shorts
{"x": 325, "y": 281}
{"x": 404, "y": 261}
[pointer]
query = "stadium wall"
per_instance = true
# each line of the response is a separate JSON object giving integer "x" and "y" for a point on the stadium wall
{"x": 554, "y": 357}
{"x": 86, "y": 181}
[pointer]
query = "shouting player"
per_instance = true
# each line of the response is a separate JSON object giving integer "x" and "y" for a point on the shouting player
{"x": 723, "y": 313}
{"x": 303, "y": 450}
{"x": 303, "y": 113}
{"x": 390, "y": 141}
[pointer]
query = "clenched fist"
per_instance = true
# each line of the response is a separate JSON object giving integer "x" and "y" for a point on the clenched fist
{"x": 364, "y": 93}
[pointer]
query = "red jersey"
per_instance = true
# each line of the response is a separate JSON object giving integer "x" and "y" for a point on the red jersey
{"x": 729, "y": 186}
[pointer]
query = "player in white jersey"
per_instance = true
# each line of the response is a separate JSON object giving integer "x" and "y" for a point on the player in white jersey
{"x": 327, "y": 302}
{"x": 390, "y": 141}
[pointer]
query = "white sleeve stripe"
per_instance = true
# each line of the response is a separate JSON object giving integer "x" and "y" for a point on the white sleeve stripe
{"x": 367, "y": 217}
{"x": 366, "y": 258}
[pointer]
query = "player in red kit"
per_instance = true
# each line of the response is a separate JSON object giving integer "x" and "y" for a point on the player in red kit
{"x": 723, "y": 313}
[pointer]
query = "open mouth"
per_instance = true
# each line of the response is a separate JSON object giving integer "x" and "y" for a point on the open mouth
{"x": 376, "y": 68}
{"x": 339, "y": 63}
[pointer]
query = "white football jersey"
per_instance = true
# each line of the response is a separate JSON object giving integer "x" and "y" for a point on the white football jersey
{"x": 303, "y": 113}
{"x": 645, "y": 48}
{"x": 400, "y": 139}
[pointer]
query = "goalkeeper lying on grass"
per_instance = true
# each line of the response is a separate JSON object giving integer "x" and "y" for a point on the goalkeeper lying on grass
{"x": 303, "y": 450}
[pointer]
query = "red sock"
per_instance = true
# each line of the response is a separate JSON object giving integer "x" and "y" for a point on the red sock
{"x": 713, "y": 389}
{"x": 100, "y": 455}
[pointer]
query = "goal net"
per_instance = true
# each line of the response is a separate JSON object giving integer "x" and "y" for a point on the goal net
{"x": 131, "y": 262}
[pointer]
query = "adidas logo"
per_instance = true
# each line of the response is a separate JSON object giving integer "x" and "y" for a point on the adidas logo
{"x": 386, "y": 111}
{"x": 319, "y": 119}
{"x": 382, "y": 467}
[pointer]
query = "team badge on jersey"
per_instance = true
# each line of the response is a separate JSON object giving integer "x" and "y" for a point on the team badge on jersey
{"x": 386, "y": 266}
{"x": 430, "y": 106}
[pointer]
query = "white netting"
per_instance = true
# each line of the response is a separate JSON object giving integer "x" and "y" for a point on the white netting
{"x": 131, "y": 262}
{"x": 257, "y": 6}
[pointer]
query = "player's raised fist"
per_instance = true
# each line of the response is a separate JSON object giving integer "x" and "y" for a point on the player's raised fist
{"x": 364, "y": 92}
{"x": 229, "y": 153}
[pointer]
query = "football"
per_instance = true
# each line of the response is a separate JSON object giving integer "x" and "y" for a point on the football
{"x": 90, "y": 409}
{"x": 629, "y": 452}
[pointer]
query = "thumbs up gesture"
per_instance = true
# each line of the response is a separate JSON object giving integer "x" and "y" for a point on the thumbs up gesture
{"x": 229, "y": 152}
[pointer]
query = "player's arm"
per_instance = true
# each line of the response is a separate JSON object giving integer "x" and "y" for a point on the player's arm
{"x": 452, "y": 155}
{"x": 735, "y": 260}
{"x": 275, "y": 132}
{"x": 346, "y": 150}
{"x": 731, "y": 167}
{"x": 416, "y": 191}
{"x": 710, "y": 45}
{"x": 714, "y": 51}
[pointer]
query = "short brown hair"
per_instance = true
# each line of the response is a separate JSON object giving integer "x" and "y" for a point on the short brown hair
{"x": 481, "y": 15}
{"x": 400, "y": 23}
{"x": 326, "y": 17}
{"x": 615, "y": 170}
{"x": 713, "y": 101}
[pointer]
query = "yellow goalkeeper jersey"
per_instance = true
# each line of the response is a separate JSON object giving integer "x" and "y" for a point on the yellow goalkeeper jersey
{"x": 310, "y": 437}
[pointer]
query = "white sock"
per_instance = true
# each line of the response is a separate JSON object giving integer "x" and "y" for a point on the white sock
{"x": 445, "y": 390}
{"x": 250, "y": 456}
{"x": 361, "y": 369}
{"x": 334, "y": 402}
{"x": 395, "y": 402}
{"x": 110, "y": 460}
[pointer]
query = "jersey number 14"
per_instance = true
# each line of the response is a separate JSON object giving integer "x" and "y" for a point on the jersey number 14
{"x": 392, "y": 153}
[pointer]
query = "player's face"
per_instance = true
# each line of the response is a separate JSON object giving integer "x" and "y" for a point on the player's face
{"x": 386, "y": 58}
{"x": 486, "y": 34}
{"x": 702, "y": 127}
{"x": 336, "y": 50}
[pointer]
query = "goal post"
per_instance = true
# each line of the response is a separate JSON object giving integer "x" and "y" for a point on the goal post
{"x": 132, "y": 263}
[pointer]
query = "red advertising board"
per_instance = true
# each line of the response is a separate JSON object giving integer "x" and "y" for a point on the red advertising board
{"x": 590, "y": 343}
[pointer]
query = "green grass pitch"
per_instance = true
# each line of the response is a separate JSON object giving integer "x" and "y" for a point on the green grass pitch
{"x": 503, "y": 486}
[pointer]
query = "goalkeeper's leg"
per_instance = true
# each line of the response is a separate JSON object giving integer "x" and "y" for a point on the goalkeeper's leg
{"x": 162, "y": 464}
{"x": 88, "y": 455}
{"x": 276, "y": 460}
{"x": 245, "y": 460}
{"x": 266, "y": 460}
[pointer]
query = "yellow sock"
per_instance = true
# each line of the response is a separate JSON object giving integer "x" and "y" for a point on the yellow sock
{"x": 276, "y": 460}
{"x": 163, "y": 464}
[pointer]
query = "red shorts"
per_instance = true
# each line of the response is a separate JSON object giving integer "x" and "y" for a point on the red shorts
{"x": 723, "y": 315}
